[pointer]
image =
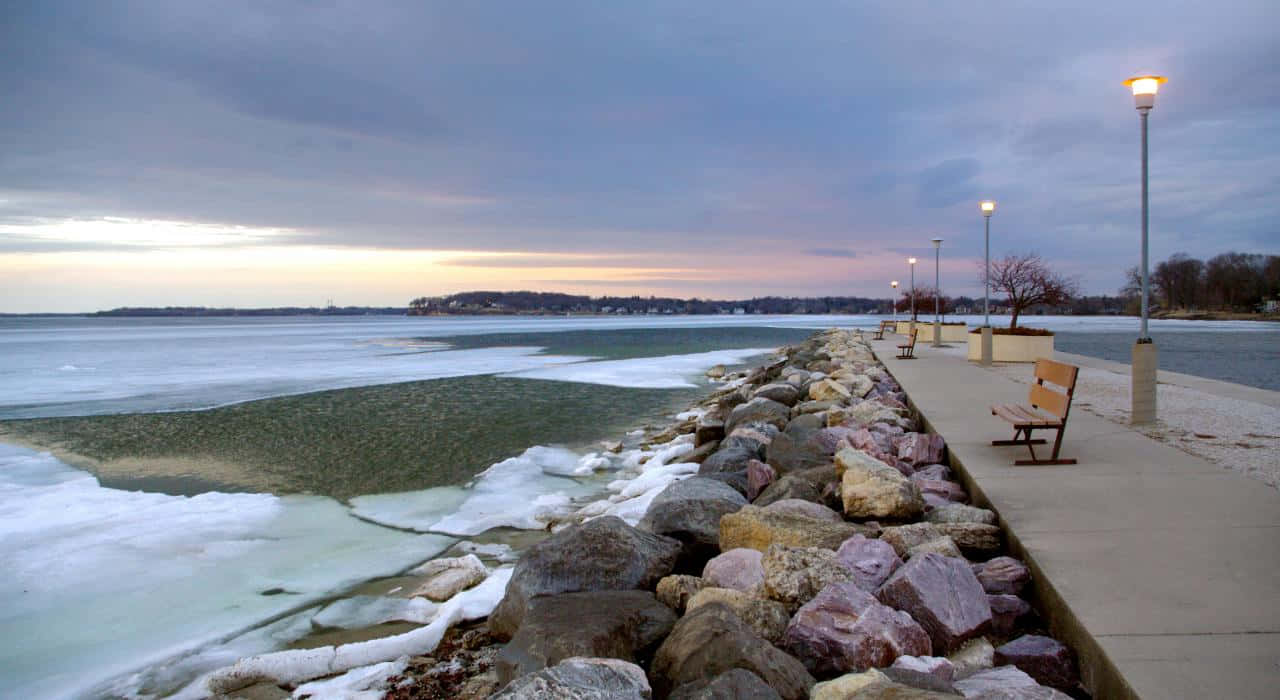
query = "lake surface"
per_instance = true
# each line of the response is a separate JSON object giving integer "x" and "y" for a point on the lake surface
{"x": 211, "y": 476}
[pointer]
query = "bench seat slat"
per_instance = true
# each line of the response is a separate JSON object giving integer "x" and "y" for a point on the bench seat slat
{"x": 1023, "y": 416}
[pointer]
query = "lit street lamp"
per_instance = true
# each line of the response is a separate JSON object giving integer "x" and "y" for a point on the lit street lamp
{"x": 894, "y": 304}
{"x": 1143, "y": 367}
{"x": 937, "y": 292}
{"x": 912, "y": 263}
{"x": 988, "y": 208}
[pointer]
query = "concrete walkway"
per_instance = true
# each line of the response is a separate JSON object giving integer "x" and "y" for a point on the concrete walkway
{"x": 1160, "y": 569}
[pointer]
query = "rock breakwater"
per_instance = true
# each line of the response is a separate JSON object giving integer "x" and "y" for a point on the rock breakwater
{"x": 795, "y": 535}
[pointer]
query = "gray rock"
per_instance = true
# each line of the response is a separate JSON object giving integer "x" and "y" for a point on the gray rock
{"x": 937, "y": 666}
{"x": 759, "y": 410}
{"x": 938, "y": 472}
{"x": 598, "y": 555}
{"x": 598, "y": 624}
{"x": 759, "y": 476}
{"x": 753, "y": 436}
{"x": 919, "y": 680}
{"x": 708, "y": 430}
{"x": 729, "y": 458}
{"x": 844, "y": 629}
{"x": 581, "y": 679}
{"x": 1001, "y": 679}
{"x": 794, "y": 575}
{"x": 1005, "y": 611}
{"x": 739, "y": 569}
{"x": 873, "y": 685}
{"x": 972, "y": 538}
{"x": 960, "y": 513}
{"x": 1043, "y": 658}
{"x": 737, "y": 684}
{"x": 871, "y": 561}
{"x": 788, "y": 487}
{"x": 690, "y": 510}
{"x": 1002, "y": 575}
{"x": 734, "y": 480}
{"x": 768, "y": 618}
{"x": 712, "y": 640}
{"x": 783, "y": 393}
{"x": 942, "y": 594}
{"x": 945, "y": 491}
{"x": 676, "y": 590}
{"x": 941, "y": 545}
{"x": 799, "y": 446}
{"x": 805, "y": 408}
{"x": 809, "y": 509}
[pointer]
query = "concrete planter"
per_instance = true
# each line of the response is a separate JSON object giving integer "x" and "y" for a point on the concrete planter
{"x": 950, "y": 334}
{"x": 1012, "y": 348}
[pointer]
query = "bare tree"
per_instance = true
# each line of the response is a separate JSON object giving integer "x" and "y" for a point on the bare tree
{"x": 1028, "y": 281}
{"x": 924, "y": 302}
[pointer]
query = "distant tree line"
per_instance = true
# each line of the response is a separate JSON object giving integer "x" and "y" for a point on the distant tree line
{"x": 525, "y": 302}
{"x": 1230, "y": 281}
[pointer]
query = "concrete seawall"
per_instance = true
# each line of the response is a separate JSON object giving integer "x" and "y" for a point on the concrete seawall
{"x": 1159, "y": 568}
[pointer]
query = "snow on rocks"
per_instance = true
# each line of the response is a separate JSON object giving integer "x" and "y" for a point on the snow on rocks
{"x": 446, "y": 577}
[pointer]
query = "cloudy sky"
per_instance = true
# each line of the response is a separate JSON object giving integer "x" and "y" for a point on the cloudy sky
{"x": 272, "y": 153}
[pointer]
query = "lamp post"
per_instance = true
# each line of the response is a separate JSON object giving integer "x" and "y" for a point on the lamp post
{"x": 893, "y": 304}
{"x": 988, "y": 208}
{"x": 937, "y": 292}
{"x": 912, "y": 263}
{"x": 1143, "y": 367}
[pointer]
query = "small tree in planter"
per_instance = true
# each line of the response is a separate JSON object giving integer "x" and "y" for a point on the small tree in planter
{"x": 924, "y": 302}
{"x": 1027, "y": 281}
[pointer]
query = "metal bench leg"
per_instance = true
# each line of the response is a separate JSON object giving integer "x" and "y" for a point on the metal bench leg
{"x": 1057, "y": 444}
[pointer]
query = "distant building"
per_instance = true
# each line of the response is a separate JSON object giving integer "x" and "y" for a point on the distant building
{"x": 1270, "y": 306}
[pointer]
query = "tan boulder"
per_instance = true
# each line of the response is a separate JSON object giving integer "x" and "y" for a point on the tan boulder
{"x": 872, "y": 489}
{"x": 829, "y": 390}
{"x": 767, "y": 617}
{"x": 754, "y": 527}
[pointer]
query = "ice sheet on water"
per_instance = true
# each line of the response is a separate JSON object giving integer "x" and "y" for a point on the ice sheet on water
{"x": 666, "y": 372}
{"x": 118, "y": 579}
{"x": 524, "y": 492}
{"x": 369, "y": 610}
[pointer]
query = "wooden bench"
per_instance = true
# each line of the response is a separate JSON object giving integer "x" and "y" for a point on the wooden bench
{"x": 906, "y": 350}
{"x": 1048, "y": 410}
{"x": 884, "y": 326}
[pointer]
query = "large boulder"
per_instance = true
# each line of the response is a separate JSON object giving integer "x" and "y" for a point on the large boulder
{"x": 789, "y": 487}
{"x": 942, "y": 594}
{"x": 972, "y": 657}
{"x": 708, "y": 430}
{"x": 844, "y": 629}
{"x": 767, "y": 617}
{"x": 739, "y": 569}
{"x": 873, "y": 685}
{"x": 872, "y": 489}
{"x": 690, "y": 511}
{"x": 1043, "y": 658}
{"x": 794, "y": 575}
{"x": 759, "y": 476}
{"x": 829, "y": 390}
{"x": 809, "y": 509}
{"x": 942, "y": 545}
{"x": 758, "y": 410}
{"x": 798, "y": 447}
{"x": 871, "y": 561}
{"x": 712, "y": 640}
{"x": 972, "y": 538}
{"x": 1006, "y": 683}
{"x": 1005, "y": 611}
{"x": 920, "y": 448}
{"x": 599, "y": 555}
{"x": 753, "y": 436}
{"x": 736, "y": 684}
{"x": 675, "y": 591}
{"x": 1002, "y": 575}
{"x": 959, "y": 513}
{"x": 758, "y": 528}
{"x": 729, "y": 458}
{"x": 782, "y": 392}
{"x": 603, "y": 624}
{"x": 581, "y": 679}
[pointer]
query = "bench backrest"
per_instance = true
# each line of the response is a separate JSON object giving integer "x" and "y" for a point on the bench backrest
{"x": 914, "y": 331}
{"x": 1045, "y": 397}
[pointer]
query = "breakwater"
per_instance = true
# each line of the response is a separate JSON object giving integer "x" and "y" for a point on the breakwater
{"x": 793, "y": 535}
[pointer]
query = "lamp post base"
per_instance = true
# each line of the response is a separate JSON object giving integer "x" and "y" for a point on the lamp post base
{"x": 1143, "y": 392}
{"x": 937, "y": 334}
{"x": 986, "y": 347}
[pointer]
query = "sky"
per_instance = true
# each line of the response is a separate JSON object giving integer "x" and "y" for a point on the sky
{"x": 260, "y": 154}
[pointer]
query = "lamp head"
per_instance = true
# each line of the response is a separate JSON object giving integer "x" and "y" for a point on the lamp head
{"x": 988, "y": 207}
{"x": 894, "y": 284}
{"x": 911, "y": 261}
{"x": 1144, "y": 89}
{"x": 937, "y": 242}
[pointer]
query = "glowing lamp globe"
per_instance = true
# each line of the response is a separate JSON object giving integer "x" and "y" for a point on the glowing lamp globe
{"x": 1145, "y": 88}
{"x": 988, "y": 207}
